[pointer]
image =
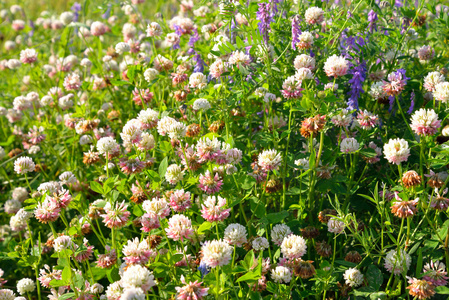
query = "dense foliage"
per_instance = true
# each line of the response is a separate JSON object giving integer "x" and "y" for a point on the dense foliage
{"x": 224, "y": 150}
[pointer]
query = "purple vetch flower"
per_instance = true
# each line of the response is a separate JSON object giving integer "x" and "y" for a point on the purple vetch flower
{"x": 31, "y": 33}
{"x": 412, "y": 102}
{"x": 372, "y": 18}
{"x": 356, "y": 84}
{"x": 398, "y": 3}
{"x": 107, "y": 13}
{"x": 264, "y": 17}
{"x": 274, "y": 6}
{"x": 405, "y": 24}
{"x": 296, "y": 31}
{"x": 76, "y": 8}
{"x": 233, "y": 32}
{"x": 199, "y": 63}
{"x": 179, "y": 31}
{"x": 349, "y": 14}
{"x": 204, "y": 269}
{"x": 391, "y": 102}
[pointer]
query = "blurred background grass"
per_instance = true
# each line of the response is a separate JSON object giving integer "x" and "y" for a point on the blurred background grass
{"x": 33, "y": 8}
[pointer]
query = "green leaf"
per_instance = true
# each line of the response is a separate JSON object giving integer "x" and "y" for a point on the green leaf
{"x": 9, "y": 141}
{"x": 204, "y": 227}
{"x": 113, "y": 275}
{"x": 248, "y": 182}
{"x": 274, "y": 218}
{"x": 96, "y": 187}
{"x": 368, "y": 152}
{"x": 442, "y": 290}
{"x": 163, "y": 167}
{"x": 66, "y": 275}
{"x": 374, "y": 277}
{"x": 420, "y": 261}
{"x": 250, "y": 277}
{"x": 138, "y": 211}
{"x": 57, "y": 283}
{"x": 66, "y": 296}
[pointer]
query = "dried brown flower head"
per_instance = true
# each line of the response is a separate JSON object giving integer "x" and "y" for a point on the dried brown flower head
{"x": 310, "y": 232}
{"x": 216, "y": 126}
{"x": 326, "y": 214}
{"x": 323, "y": 249}
{"x": 193, "y": 130}
{"x": 353, "y": 256}
{"x": 305, "y": 269}
{"x": 14, "y": 152}
{"x": 411, "y": 179}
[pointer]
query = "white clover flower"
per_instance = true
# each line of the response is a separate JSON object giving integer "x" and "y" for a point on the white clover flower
{"x": 150, "y": 74}
{"x": 133, "y": 294}
{"x": 107, "y": 145}
{"x": 336, "y": 66}
{"x": 63, "y": 242}
{"x": 260, "y": 243}
{"x": 235, "y": 234}
{"x": 314, "y": 15}
{"x": 20, "y": 193}
{"x": 67, "y": 178}
{"x": 293, "y": 246}
{"x": 216, "y": 253}
{"x": 198, "y": 80}
{"x": 96, "y": 288}
{"x": 441, "y": 92}
{"x": 34, "y": 149}
{"x": 279, "y": 232}
{"x": 304, "y": 61}
{"x": 7, "y": 294}
{"x": 25, "y": 285}
{"x": 201, "y": 104}
{"x": 353, "y": 277}
{"x": 174, "y": 174}
{"x": 377, "y": 90}
{"x": 67, "y": 17}
{"x": 396, "y": 151}
{"x": 432, "y": 79}
{"x": 397, "y": 262}
{"x": 24, "y": 165}
{"x": 349, "y": 145}
{"x": 122, "y": 47}
{"x": 281, "y": 274}
{"x": 269, "y": 160}
{"x": 137, "y": 276}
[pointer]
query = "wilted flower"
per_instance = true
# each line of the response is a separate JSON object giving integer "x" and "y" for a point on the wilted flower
{"x": 404, "y": 209}
{"x": 421, "y": 289}
{"x": 411, "y": 179}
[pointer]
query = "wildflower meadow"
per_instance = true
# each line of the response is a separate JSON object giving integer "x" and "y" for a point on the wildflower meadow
{"x": 225, "y": 149}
